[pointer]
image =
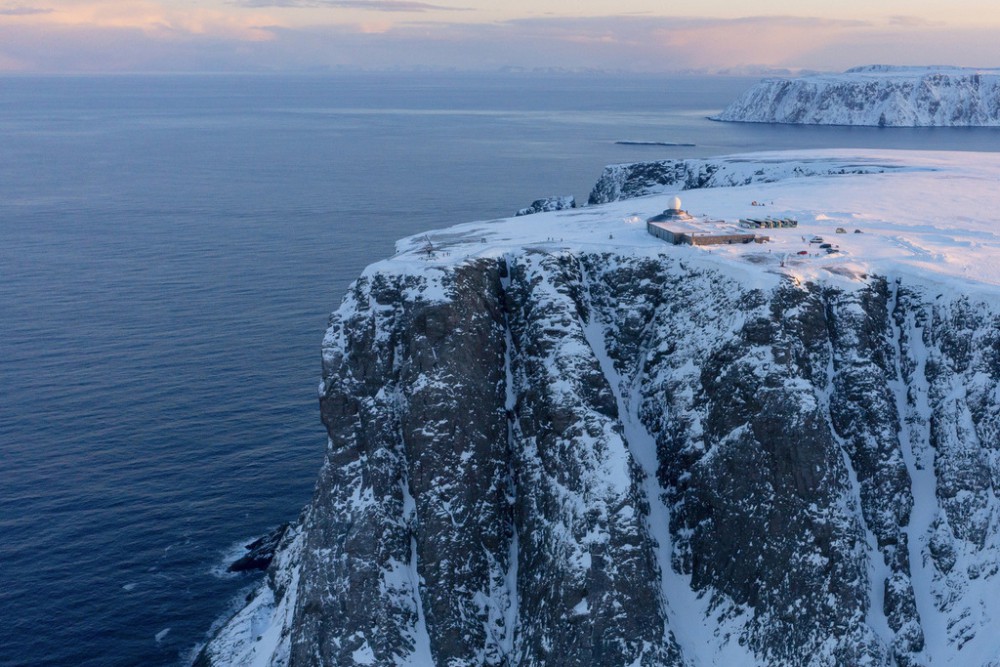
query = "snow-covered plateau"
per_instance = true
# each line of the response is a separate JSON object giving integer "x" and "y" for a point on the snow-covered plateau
{"x": 557, "y": 440}
{"x": 875, "y": 95}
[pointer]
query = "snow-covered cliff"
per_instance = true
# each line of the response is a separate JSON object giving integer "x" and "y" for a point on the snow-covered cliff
{"x": 549, "y": 204}
{"x": 638, "y": 179}
{"x": 875, "y": 95}
{"x": 611, "y": 451}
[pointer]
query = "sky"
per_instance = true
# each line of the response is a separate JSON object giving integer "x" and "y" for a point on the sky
{"x": 71, "y": 36}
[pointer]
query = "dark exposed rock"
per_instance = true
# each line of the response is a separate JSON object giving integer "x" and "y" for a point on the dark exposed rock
{"x": 827, "y": 457}
{"x": 549, "y": 204}
{"x": 627, "y": 181}
{"x": 260, "y": 552}
{"x": 593, "y": 597}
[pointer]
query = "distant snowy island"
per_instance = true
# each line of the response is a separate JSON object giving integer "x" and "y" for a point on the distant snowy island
{"x": 875, "y": 95}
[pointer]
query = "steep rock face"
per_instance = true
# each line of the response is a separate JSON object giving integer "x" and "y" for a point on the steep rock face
{"x": 414, "y": 402}
{"x": 950, "y": 367}
{"x": 734, "y": 396}
{"x": 571, "y": 458}
{"x": 587, "y": 577}
{"x": 638, "y": 179}
{"x": 875, "y": 96}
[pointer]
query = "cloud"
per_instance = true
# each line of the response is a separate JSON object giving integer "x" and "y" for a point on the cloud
{"x": 21, "y": 10}
{"x": 154, "y": 19}
{"x": 913, "y": 22}
{"x": 641, "y": 43}
{"x": 140, "y": 35}
{"x": 79, "y": 49}
{"x": 372, "y": 5}
{"x": 966, "y": 47}
{"x": 771, "y": 41}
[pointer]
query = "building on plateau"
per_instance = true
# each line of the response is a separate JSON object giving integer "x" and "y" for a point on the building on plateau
{"x": 677, "y": 226}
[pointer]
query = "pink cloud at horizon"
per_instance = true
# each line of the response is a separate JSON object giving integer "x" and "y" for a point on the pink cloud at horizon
{"x": 114, "y": 37}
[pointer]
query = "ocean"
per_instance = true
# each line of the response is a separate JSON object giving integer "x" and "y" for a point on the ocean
{"x": 170, "y": 249}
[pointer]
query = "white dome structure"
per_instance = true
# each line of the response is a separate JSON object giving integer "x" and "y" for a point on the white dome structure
{"x": 672, "y": 213}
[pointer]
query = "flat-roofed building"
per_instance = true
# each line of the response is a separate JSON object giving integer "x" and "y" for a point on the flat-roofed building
{"x": 677, "y": 226}
{"x": 693, "y": 235}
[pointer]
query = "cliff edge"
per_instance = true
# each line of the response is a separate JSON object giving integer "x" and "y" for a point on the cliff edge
{"x": 876, "y": 95}
{"x": 606, "y": 450}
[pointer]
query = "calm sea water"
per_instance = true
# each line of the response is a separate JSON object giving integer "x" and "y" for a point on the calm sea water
{"x": 170, "y": 248}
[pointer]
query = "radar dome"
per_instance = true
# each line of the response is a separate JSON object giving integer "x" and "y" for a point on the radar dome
{"x": 675, "y": 204}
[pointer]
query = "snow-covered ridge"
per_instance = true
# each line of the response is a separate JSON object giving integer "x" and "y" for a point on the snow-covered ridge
{"x": 560, "y": 441}
{"x": 548, "y": 204}
{"x": 875, "y": 95}
{"x": 638, "y": 179}
{"x": 914, "y": 70}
